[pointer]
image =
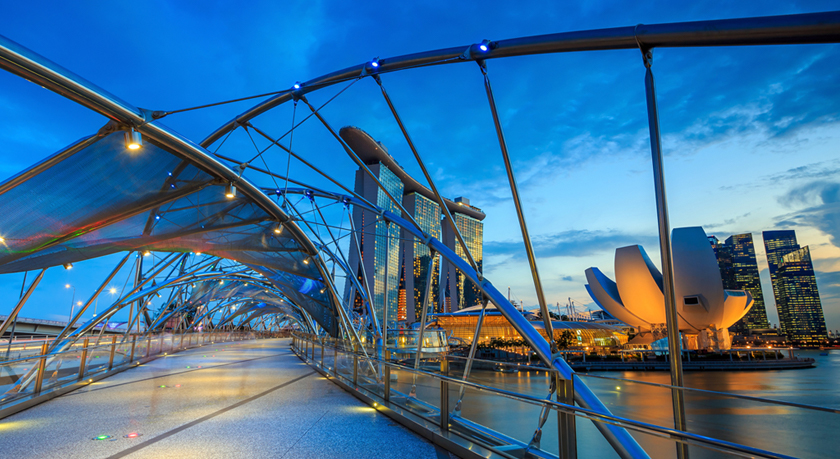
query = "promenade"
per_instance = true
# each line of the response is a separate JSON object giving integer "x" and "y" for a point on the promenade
{"x": 233, "y": 400}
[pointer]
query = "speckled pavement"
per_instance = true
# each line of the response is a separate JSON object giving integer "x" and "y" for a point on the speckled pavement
{"x": 251, "y": 399}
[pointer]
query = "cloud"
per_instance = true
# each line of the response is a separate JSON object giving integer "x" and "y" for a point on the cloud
{"x": 823, "y": 211}
{"x": 568, "y": 278}
{"x": 573, "y": 243}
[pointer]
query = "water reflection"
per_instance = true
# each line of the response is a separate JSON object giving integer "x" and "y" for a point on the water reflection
{"x": 788, "y": 430}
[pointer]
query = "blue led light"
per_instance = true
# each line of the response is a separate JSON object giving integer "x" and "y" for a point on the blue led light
{"x": 374, "y": 64}
{"x": 169, "y": 173}
{"x": 278, "y": 191}
{"x": 296, "y": 86}
{"x": 483, "y": 47}
{"x": 172, "y": 185}
{"x": 157, "y": 217}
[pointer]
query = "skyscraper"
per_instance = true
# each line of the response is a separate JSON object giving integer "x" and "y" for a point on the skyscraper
{"x": 795, "y": 287}
{"x": 408, "y": 271}
{"x": 739, "y": 271}
{"x": 461, "y": 292}
{"x": 381, "y": 249}
{"x": 416, "y": 256}
{"x": 745, "y": 271}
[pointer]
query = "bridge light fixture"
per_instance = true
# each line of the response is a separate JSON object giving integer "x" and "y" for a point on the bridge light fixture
{"x": 68, "y": 266}
{"x": 296, "y": 86}
{"x": 157, "y": 216}
{"x": 133, "y": 139}
{"x": 278, "y": 229}
{"x": 485, "y": 46}
{"x": 112, "y": 290}
{"x": 146, "y": 253}
{"x": 230, "y": 191}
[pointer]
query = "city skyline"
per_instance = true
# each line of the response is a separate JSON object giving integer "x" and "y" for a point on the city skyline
{"x": 408, "y": 259}
{"x": 748, "y": 133}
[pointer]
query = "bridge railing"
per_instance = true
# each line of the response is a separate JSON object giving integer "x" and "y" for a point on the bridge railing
{"x": 503, "y": 422}
{"x": 30, "y": 373}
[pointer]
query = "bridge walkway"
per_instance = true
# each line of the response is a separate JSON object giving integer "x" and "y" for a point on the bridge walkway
{"x": 230, "y": 400}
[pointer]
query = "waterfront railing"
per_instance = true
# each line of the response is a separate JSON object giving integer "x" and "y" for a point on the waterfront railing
{"x": 30, "y": 373}
{"x": 479, "y": 414}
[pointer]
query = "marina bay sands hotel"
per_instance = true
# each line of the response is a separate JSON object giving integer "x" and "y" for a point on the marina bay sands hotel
{"x": 406, "y": 260}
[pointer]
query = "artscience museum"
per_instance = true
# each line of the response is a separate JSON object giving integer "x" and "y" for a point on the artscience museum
{"x": 705, "y": 310}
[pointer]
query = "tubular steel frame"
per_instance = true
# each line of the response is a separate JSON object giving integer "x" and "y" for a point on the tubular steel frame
{"x": 775, "y": 30}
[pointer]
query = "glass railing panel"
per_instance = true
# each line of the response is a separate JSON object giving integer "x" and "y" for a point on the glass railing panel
{"x": 371, "y": 376}
{"x": 12, "y": 373}
{"x": 122, "y": 353}
{"x": 62, "y": 369}
{"x": 344, "y": 366}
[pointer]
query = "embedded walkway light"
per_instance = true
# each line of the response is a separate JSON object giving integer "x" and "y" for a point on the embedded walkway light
{"x": 133, "y": 139}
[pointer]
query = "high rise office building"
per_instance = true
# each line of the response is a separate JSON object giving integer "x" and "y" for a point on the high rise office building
{"x": 411, "y": 269}
{"x": 795, "y": 287}
{"x": 460, "y": 292}
{"x": 379, "y": 243}
{"x": 739, "y": 271}
{"x": 416, "y": 256}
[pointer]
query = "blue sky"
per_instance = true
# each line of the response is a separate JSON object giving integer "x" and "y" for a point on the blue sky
{"x": 750, "y": 134}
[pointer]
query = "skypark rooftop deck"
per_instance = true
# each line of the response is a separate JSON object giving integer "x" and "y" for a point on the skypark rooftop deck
{"x": 229, "y": 400}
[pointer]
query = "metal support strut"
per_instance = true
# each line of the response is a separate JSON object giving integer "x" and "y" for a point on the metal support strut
{"x": 665, "y": 250}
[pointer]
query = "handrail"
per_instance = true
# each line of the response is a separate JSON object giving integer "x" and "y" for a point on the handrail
{"x": 651, "y": 429}
{"x": 706, "y": 391}
{"x": 88, "y": 370}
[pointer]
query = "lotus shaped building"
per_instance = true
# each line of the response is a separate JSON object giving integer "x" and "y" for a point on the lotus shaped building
{"x": 704, "y": 309}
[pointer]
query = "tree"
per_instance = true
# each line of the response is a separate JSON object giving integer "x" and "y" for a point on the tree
{"x": 566, "y": 339}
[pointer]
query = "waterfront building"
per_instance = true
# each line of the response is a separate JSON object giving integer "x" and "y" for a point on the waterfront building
{"x": 461, "y": 325}
{"x": 416, "y": 256}
{"x": 461, "y": 292}
{"x": 705, "y": 309}
{"x": 739, "y": 271}
{"x": 380, "y": 244}
{"x": 450, "y": 290}
{"x": 798, "y": 303}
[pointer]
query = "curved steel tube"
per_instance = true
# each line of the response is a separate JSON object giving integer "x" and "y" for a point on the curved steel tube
{"x": 623, "y": 443}
{"x": 27, "y": 64}
{"x": 769, "y": 30}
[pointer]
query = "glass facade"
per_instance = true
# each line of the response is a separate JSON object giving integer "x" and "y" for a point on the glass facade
{"x": 387, "y": 250}
{"x": 745, "y": 274}
{"x": 802, "y": 317}
{"x": 739, "y": 271}
{"x": 472, "y": 230}
{"x": 416, "y": 261}
{"x": 380, "y": 240}
{"x": 461, "y": 326}
{"x": 794, "y": 287}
